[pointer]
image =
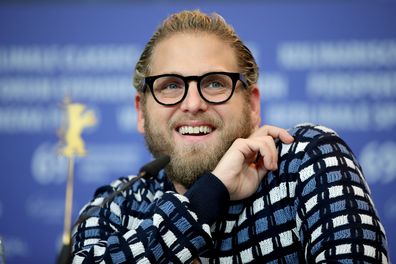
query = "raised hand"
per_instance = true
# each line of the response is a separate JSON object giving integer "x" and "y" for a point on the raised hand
{"x": 248, "y": 160}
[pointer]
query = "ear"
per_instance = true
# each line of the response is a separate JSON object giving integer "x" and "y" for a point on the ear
{"x": 139, "y": 110}
{"x": 255, "y": 105}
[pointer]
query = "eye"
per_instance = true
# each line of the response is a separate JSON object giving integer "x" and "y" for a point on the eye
{"x": 165, "y": 84}
{"x": 215, "y": 84}
{"x": 171, "y": 86}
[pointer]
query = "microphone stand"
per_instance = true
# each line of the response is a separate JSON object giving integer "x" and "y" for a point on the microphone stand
{"x": 65, "y": 253}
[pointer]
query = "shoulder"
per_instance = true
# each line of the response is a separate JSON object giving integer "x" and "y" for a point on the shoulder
{"x": 307, "y": 132}
{"x": 306, "y": 136}
{"x": 313, "y": 143}
{"x": 124, "y": 196}
{"x": 135, "y": 186}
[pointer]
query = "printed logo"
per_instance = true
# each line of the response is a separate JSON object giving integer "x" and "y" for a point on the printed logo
{"x": 48, "y": 167}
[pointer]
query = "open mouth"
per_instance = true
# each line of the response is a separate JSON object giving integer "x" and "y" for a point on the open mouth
{"x": 194, "y": 130}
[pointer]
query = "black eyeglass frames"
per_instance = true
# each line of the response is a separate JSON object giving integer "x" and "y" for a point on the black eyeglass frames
{"x": 213, "y": 87}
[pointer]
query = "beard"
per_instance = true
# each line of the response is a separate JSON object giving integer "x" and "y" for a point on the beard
{"x": 189, "y": 161}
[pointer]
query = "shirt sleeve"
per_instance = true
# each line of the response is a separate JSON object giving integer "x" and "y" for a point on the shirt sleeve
{"x": 140, "y": 226}
{"x": 335, "y": 216}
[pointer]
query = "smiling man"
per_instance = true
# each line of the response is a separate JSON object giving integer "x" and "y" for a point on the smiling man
{"x": 234, "y": 191}
{"x": 189, "y": 73}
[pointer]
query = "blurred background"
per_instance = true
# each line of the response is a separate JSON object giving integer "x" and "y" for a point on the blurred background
{"x": 326, "y": 62}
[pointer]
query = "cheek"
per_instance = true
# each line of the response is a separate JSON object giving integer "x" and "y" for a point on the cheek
{"x": 159, "y": 117}
{"x": 232, "y": 110}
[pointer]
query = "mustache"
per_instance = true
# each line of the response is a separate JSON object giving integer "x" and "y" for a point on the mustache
{"x": 216, "y": 122}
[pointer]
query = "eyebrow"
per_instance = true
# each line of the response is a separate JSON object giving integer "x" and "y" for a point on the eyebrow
{"x": 199, "y": 74}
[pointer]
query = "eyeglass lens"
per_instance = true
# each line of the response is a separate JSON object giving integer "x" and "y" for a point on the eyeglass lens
{"x": 214, "y": 88}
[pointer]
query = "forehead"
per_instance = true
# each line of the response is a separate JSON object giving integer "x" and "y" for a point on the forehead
{"x": 193, "y": 54}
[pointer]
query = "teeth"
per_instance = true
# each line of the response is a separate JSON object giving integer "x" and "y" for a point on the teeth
{"x": 194, "y": 130}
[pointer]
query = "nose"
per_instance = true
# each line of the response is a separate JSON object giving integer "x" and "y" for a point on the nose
{"x": 193, "y": 102}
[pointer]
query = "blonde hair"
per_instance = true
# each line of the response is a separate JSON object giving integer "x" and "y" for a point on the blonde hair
{"x": 196, "y": 21}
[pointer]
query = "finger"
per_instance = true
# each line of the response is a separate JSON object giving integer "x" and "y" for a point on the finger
{"x": 269, "y": 154}
{"x": 285, "y": 137}
{"x": 265, "y": 148}
{"x": 250, "y": 148}
{"x": 272, "y": 152}
{"x": 261, "y": 170}
{"x": 275, "y": 132}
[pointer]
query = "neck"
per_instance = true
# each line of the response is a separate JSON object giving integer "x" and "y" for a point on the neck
{"x": 180, "y": 189}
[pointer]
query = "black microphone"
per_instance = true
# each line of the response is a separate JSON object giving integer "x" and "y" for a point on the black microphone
{"x": 148, "y": 170}
{"x": 153, "y": 168}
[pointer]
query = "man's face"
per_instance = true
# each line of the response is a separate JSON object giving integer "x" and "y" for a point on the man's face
{"x": 170, "y": 129}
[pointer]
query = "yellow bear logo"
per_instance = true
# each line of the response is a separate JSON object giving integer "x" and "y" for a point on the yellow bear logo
{"x": 77, "y": 119}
